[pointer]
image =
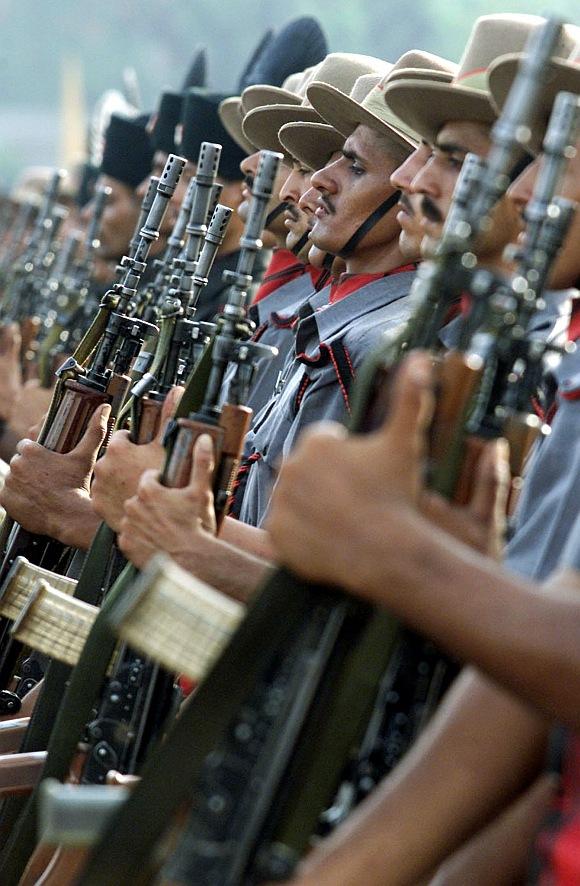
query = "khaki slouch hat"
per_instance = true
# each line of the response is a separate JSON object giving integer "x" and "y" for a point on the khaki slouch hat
{"x": 427, "y": 105}
{"x": 261, "y": 125}
{"x": 561, "y": 74}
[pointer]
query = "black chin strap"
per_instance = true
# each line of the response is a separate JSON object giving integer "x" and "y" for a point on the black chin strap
{"x": 328, "y": 261}
{"x": 370, "y": 222}
{"x": 301, "y": 243}
{"x": 272, "y": 216}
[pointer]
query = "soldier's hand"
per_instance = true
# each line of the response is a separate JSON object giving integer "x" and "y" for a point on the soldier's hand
{"x": 480, "y": 523}
{"x": 177, "y": 521}
{"x": 48, "y": 492}
{"x": 117, "y": 474}
{"x": 336, "y": 493}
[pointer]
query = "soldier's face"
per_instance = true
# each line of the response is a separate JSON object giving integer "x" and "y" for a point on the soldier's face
{"x": 349, "y": 190}
{"x": 565, "y": 271}
{"x": 436, "y": 181}
{"x": 249, "y": 167}
{"x": 410, "y": 216}
{"x": 296, "y": 220}
{"x": 119, "y": 218}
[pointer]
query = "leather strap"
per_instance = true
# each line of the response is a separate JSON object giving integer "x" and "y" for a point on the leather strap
{"x": 299, "y": 246}
{"x": 373, "y": 219}
{"x": 273, "y": 215}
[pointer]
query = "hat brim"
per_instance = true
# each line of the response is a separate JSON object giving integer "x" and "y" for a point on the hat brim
{"x": 262, "y": 125}
{"x": 427, "y": 105}
{"x": 420, "y": 74}
{"x": 259, "y": 96}
{"x": 345, "y": 114}
{"x": 311, "y": 144}
{"x": 231, "y": 114}
{"x": 557, "y": 76}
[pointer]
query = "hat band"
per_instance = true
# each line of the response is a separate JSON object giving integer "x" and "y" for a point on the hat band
{"x": 476, "y": 79}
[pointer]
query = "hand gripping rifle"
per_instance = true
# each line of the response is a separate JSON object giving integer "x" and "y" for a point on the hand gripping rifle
{"x": 252, "y": 822}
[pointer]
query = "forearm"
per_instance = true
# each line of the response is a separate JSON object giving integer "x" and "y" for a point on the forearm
{"x": 249, "y": 538}
{"x": 521, "y": 636}
{"x": 480, "y": 750}
{"x": 231, "y": 570}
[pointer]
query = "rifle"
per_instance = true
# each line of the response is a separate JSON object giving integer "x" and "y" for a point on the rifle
{"x": 107, "y": 352}
{"x": 238, "y": 834}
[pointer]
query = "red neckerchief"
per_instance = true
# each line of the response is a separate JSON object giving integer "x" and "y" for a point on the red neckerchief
{"x": 574, "y": 327}
{"x": 349, "y": 283}
{"x": 283, "y": 267}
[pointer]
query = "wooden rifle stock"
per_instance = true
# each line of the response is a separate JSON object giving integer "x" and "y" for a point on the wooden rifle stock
{"x": 149, "y": 419}
{"x": 228, "y": 438}
{"x": 12, "y": 733}
{"x": 20, "y": 773}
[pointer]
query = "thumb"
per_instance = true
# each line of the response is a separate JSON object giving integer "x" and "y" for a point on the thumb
{"x": 411, "y": 407}
{"x": 492, "y": 480}
{"x": 92, "y": 439}
{"x": 170, "y": 404}
{"x": 203, "y": 463}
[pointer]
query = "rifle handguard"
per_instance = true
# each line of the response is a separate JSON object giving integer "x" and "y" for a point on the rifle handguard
{"x": 176, "y": 619}
{"x": 22, "y": 581}
{"x": 54, "y": 624}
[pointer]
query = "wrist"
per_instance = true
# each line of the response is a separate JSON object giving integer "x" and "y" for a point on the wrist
{"x": 385, "y": 553}
{"x": 76, "y": 522}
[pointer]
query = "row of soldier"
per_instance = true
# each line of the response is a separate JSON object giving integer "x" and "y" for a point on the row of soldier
{"x": 356, "y": 168}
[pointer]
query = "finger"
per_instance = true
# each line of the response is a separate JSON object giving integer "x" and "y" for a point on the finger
{"x": 491, "y": 481}
{"x": 10, "y": 340}
{"x": 412, "y": 404}
{"x": 170, "y": 404}
{"x": 90, "y": 443}
{"x": 147, "y": 485}
{"x": 23, "y": 444}
{"x": 203, "y": 464}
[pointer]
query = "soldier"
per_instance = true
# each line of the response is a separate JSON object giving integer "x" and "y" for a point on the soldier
{"x": 478, "y": 723}
{"x": 127, "y": 159}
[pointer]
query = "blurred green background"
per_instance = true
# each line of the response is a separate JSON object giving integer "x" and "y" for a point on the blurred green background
{"x": 157, "y": 38}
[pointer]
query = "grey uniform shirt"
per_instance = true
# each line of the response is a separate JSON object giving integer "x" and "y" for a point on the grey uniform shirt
{"x": 332, "y": 340}
{"x": 550, "y": 500}
{"x": 274, "y": 317}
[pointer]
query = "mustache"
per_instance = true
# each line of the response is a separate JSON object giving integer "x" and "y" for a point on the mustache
{"x": 327, "y": 203}
{"x": 293, "y": 211}
{"x": 406, "y": 204}
{"x": 430, "y": 210}
{"x": 249, "y": 181}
